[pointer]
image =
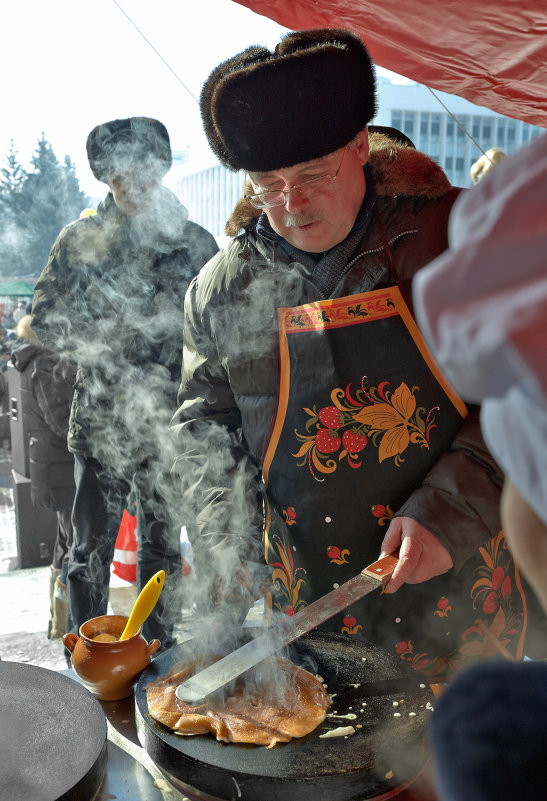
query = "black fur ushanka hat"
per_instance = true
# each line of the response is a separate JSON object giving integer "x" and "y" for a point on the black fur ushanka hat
{"x": 128, "y": 143}
{"x": 265, "y": 110}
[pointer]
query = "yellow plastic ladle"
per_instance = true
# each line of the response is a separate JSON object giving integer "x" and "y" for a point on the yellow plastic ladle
{"x": 146, "y": 601}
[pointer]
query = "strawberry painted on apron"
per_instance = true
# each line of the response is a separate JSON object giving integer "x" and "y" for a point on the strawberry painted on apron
{"x": 363, "y": 414}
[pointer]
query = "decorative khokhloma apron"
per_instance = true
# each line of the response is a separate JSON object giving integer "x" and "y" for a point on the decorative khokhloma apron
{"x": 363, "y": 414}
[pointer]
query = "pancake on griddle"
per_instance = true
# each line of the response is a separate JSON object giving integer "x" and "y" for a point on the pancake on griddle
{"x": 270, "y": 704}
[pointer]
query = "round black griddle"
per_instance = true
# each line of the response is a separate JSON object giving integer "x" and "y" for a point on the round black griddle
{"x": 384, "y": 755}
{"x": 52, "y": 736}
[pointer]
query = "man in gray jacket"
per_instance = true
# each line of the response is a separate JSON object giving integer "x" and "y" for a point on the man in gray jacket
{"x": 111, "y": 298}
{"x": 318, "y": 429}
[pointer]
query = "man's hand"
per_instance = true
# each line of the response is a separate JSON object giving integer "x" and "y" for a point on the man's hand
{"x": 245, "y": 586}
{"x": 421, "y": 555}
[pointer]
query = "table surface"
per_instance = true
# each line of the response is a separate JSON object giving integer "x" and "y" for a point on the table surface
{"x": 130, "y": 773}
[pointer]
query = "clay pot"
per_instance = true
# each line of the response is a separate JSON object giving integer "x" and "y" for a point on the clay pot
{"x": 109, "y": 669}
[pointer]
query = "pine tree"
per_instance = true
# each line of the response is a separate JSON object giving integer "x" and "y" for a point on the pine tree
{"x": 12, "y": 208}
{"x": 54, "y": 199}
{"x": 12, "y": 178}
{"x": 34, "y": 206}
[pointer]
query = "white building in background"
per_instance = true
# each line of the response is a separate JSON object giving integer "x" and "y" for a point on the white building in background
{"x": 210, "y": 191}
{"x": 416, "y": 111}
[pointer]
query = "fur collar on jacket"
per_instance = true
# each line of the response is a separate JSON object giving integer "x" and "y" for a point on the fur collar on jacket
{"x": 24, "y": 331}
{"x": 397, "y": 169}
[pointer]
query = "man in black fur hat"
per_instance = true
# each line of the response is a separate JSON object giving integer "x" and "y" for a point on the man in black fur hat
{"x": 111, "y": 298}
{"x": 318, "y": 429}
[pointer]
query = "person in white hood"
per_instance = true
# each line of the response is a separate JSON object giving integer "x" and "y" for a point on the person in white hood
{"x": 482, "y": 307}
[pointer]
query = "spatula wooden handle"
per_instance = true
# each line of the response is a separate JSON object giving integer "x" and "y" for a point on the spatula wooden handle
{"x": 383, "y": 568}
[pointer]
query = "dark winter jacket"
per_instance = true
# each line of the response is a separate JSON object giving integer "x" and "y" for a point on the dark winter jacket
{"x": 111, "y": 297}
{"x": 47, "y": 382}
{"x": 231, "y": 356}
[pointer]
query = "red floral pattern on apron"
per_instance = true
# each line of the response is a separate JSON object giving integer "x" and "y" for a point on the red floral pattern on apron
{"x": 363, "y": 414}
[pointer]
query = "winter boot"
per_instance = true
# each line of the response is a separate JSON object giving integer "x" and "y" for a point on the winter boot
{"x": 59, "y": 614}
{"x": 54, "y": 572}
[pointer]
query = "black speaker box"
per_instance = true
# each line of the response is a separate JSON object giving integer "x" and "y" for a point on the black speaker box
{"x": 36, "y": 529}
{"x": 18, "y": 423}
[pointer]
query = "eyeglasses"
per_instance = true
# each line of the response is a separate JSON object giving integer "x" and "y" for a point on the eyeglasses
{"x": 278, "y": 197}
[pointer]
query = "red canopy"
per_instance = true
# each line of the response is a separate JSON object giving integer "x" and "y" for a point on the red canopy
{"x": 492, "y": 52}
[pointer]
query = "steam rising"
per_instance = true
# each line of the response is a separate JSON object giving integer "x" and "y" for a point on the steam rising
{"x": 118, "y": 329}
{"x": 218, "y": 464}
{"x": 121, "y": 332}
{"x": 124, "y": 331}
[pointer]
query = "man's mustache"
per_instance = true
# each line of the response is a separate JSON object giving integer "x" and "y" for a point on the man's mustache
{"x": 296, "y": 220}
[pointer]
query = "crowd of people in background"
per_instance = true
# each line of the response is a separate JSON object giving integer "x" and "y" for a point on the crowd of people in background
{"x": 9, "y": 315}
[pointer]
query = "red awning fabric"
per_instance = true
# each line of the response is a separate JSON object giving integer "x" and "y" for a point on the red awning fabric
{"x": 491, "y": 52}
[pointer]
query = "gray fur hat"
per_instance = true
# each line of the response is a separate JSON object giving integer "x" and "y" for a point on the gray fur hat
{"x": 265, "y": 110}
{"x": 124, "y": 144}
